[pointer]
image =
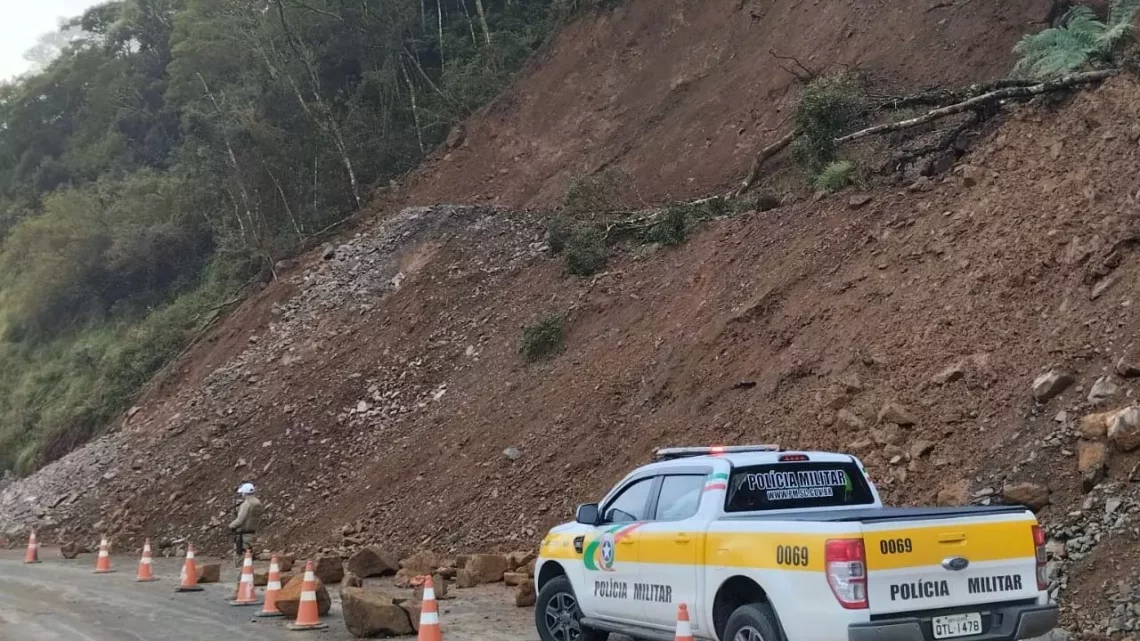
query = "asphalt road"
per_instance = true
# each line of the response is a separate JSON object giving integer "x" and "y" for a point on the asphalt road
{"x": 60, "y": 600}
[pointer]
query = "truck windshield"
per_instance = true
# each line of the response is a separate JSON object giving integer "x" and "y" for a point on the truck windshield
{"x": 792, "y": 486}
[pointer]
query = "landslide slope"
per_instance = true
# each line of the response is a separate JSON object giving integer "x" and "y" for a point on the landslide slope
{"x": 377, "y": 385}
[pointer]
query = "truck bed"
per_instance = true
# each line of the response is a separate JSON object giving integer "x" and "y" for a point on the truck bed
{"x": 878, "y": 514}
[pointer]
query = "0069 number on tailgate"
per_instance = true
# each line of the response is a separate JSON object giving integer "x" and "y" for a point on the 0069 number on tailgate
{"x": 957, "y": 625}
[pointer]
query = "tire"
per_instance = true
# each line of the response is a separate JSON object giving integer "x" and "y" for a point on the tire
{"x": 558, "y": 617}
{"x": 753, "y": 622}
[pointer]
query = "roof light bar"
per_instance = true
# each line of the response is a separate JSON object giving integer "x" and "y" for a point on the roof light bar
{"x": 714, "y": 450}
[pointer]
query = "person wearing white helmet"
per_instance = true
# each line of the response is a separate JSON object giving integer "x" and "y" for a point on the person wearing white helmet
{"x": 248, "y": 520}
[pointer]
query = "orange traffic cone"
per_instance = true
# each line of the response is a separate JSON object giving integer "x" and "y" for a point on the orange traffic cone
{"x": 146, "y": 572}
{"x": 684, "y": 628}
{"x": 103, "y": 563}
{"x": 33, "y": 553}
{"x": 308, "y": 614}
{"x": 429, "y": 615}
{"x": 189, "y": 579}
{"x": 246, "y": 593}
{"x": 272, "y": 587}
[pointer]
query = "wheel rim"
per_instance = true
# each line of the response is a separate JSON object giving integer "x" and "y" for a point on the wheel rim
{"x": 748, "y": 633}
{"x": 562, "y": 618}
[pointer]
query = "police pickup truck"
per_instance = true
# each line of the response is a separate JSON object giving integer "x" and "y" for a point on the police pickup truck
{"x": 768, "y": 545}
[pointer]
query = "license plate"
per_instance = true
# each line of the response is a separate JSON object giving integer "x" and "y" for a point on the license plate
{"x": 957, "y": 625}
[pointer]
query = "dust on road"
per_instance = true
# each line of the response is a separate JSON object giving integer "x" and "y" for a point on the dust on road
{"x": 60, "y": 600}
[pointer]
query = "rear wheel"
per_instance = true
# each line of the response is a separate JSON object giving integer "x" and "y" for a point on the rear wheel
{"x": 753, "y": 622}
{"x": 558, "y": 617}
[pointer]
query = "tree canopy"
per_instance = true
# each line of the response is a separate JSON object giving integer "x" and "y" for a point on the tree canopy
{"x": 165, "y": 150}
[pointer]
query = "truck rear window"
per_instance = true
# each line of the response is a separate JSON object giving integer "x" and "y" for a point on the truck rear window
{"x": 793, "y": 486}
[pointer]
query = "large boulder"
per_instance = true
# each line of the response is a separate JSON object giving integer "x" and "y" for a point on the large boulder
{"x": 1033, "y": 495}
{"x": 422, "y": 562}
{"x": 415, "y": 611}
{"x": 289, "y": 598}
{"x": 1094, "y": 427}
{"x": 285, "y": 562}
{"x": 1124, "y": 429}
{"x": 373, "y": 561}
{"x": 373, "y": 614}
{"x": 898, "y": 414}
{"x": 1050, "y": 384}
{"x": 487, "y": 568}
{"x": 515, "y": 578}
{"x": 70, "y": 550}
{"x": 329, "y": 569}
{"x": 516, "y": 560}
{"x": 209, "y": 572}
{"x": 465, "y": 579}
{"x": 525, "y": 597}
{"x": 954, "y": 494}
{"x": 1092, "y": 463}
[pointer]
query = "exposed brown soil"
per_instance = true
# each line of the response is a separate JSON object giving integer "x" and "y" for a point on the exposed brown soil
{"x": 760, "y": 328}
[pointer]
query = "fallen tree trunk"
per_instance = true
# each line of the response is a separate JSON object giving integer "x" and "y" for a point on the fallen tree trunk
{"x": 1008, "y": 89}
{"x": 763, "y": 156}
{"x": 993, "y": 96}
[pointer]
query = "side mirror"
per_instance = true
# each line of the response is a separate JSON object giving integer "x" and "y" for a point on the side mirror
{"x": 588, "y": 514}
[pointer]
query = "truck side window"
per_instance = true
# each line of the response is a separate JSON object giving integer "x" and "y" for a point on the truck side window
{"x": 680, "y": 496}
{"x": 630, "y": 504}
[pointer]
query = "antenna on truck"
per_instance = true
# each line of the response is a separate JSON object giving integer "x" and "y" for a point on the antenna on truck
{"x": 668, "y": 453}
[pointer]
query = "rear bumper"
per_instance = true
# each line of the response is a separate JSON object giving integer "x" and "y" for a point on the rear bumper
{"x": 1000, "y": 624}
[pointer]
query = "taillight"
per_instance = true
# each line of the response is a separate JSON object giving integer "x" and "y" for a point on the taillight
{"x": 846, "y": 564}
{"x": 1039, "y": 547}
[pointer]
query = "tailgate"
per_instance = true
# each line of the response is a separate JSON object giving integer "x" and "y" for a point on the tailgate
{"x": 934, "y": 564}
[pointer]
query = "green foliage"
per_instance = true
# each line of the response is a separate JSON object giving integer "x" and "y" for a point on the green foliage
{"x": 162, "y": 142}
{"x": 1082, "y": 40}
{"x": 835, "y": 176}
{"x": 585, "y": 252}
{"x": 558, "y": 231}
{"x": 831, "y": 106}
{"x": 544, "y": 338}
{"x": 593, "y": 194}
{"x": 673, "y": 227}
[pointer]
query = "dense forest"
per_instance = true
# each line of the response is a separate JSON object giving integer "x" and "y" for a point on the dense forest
{"x": 165, "y": 153}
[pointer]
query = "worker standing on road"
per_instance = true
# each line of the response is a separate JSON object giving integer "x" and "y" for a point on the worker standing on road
{"x": 248, "y": 520}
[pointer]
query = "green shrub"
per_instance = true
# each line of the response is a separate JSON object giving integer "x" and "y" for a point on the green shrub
{"x": 594, "y": 193}
{"x": 558, "y": 231}
{"x": 831, "y": 106}
{"x": 544, "y": 339}
{"x": 673, "y": 227}
{"x": 1080, "y": 41}
{"x": 835, "y": 176}
{"x": 585, "y": 252}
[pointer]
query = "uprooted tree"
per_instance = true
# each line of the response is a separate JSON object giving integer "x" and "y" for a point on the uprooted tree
{"x": 1080, "y": 51}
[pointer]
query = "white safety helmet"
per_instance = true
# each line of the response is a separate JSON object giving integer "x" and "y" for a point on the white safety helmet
{"x": 245, "y": 489}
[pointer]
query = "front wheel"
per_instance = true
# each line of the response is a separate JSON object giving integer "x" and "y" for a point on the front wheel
{"x": 558, "y": 617}
{"x": 753, "y": 622}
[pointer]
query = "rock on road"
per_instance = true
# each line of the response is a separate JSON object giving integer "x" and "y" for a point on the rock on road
{"x": 60, "y": 600}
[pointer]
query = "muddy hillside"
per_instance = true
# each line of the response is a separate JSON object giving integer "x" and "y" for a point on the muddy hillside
{"x": 970, "y": 334}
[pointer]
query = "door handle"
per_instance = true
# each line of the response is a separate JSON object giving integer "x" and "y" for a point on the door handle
{"x": 683, "y": 538}
{"x": 627, "y": 541}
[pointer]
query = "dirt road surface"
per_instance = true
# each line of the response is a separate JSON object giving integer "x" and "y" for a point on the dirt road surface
{"x": 61, "y": 600}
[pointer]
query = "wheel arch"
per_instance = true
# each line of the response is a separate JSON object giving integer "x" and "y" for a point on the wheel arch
{"x": 737, "y": 591}
{"x": 549, "y": 570}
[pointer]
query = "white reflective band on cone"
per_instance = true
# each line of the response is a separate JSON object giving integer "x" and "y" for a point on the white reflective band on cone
{"x": 309, "y": 596}
{"x": 190, "y": 555}
{"x": 103, "y": 553}
{"x": 684, "y": 629}
{"x": 429, "y": 618}
{"x": 146, "y": 560}
{"x": 247, "y": 578}
{"x": 429, "y": 594}
{"x": 309, "y": 576}
{"x": 273, "y": 567}
{"x": 274, "y": 585}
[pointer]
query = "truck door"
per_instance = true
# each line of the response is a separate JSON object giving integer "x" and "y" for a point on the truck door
{"x": 611, "y": 555}
{"x": 672, "y": 544}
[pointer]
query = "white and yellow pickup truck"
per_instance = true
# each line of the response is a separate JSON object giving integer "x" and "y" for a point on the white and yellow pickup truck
{"x": 768, "y": 545}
